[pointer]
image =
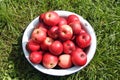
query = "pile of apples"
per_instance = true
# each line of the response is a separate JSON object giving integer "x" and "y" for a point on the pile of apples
{"x": 58, "y": 42}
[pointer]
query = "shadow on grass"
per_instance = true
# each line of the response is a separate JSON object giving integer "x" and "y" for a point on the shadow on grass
{"x": 22, "y": 69}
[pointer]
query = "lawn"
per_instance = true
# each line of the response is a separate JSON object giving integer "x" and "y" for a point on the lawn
{"x": 103, "y": 15}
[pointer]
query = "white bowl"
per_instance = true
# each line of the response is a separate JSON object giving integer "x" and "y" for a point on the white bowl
{"x": 60, "y": 72}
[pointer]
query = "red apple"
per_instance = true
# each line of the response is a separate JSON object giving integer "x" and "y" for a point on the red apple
{"x": 46, "y": 43}
{"x": 68, "y": 47}
{"x": 76, "y": 27}
{"x": 56, "y": 48}
{"x": 51, "y": 18}
{"x": 71, "y": 18}
{"x": 78, "y": 49}
{"x": 49, "y": 61}
{"x": 32, "y": 46}
{"x": 83, "y": 40}
{"x": 62, "y": 21}
{"x": 42, "y": 26}
{"x": 79, "y": 58}
{"x": 35, "y": 57}
{"x": 53, "y": 32}
{"x": 38, "y": 35}
{"x": 65, "y": 61}
{"x": 65, "y": 32}
{"x": 41, "y": 17}
{"x": 73, "y": 38}
{"x": 82, "y": 31}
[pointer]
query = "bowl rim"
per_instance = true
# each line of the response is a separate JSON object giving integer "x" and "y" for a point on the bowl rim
{"x": 61, "y": 72}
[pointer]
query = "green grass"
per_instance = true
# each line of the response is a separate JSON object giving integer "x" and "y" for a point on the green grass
{"x": 103, "y": 15}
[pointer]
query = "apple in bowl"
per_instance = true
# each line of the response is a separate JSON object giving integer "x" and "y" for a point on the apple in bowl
{"x": 69, "y": 30}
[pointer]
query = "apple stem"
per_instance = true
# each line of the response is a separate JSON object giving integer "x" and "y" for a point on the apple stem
{"x": 82, "y": 55}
